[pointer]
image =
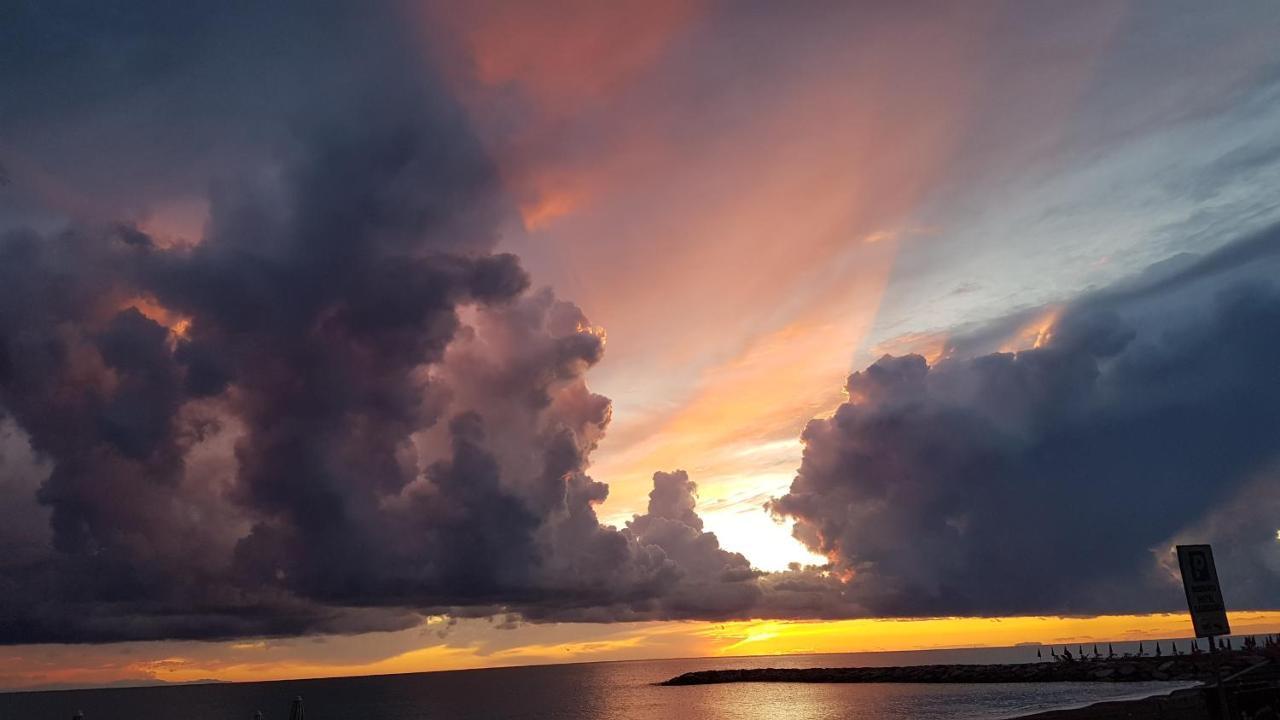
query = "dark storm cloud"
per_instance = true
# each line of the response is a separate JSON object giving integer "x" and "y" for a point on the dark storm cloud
{"x": 1056, "y": 479}
{"x": 341, "y": 408}
{"x": 336, "y": 411}
{"x": 113, "y": 107}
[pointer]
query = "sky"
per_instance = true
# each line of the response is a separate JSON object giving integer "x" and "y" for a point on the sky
{"x": 342, "y": 338}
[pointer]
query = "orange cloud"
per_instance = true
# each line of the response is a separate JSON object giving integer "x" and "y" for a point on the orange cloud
{"x": 870, "y": 635}
{"x": 565, "y": 53}
{"x": 1035, "y": 333}
{"x": 548, "y": 205}
{"x": 557, "y": 60}
{"x": 932, "y": 346}
{"x": 176, "y": 323}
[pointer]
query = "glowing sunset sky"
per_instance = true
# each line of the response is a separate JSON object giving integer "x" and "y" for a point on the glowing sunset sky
{"x": 730, "y": 194}
{"x": 324, "y": 328}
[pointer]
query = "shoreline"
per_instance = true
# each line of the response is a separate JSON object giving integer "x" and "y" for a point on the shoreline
{"x": 1198, "y": 667}
{"x": 1180, "y": 703}
{"x": 1195, "y": 699}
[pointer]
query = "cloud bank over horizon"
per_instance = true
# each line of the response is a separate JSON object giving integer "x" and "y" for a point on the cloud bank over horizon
{"x": 333, "y": 405}
{"x": 1071, "y": 467}
{"x": 338, "y": 410}
{"x": 1057, "y": 479}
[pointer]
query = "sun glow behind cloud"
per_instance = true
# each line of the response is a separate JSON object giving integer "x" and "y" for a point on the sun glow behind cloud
{"x": 1035, "y": 333}
{"x": 753, "y": 265}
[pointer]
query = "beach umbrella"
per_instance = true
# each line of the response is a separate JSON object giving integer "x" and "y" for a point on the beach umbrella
{"x": 1038, "y": 655}
{"x": 1110, "y": 651}
{"x": 1158, "y": 648}
{"x": 295, "y": 710}
{"x": 1095, "y": 650}
{"x": 1139, "y": 647}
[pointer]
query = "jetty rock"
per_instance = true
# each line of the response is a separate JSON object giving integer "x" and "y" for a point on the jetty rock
{"x": 1130, "y": 669}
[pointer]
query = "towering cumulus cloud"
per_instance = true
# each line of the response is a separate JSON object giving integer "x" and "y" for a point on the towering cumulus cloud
{"x": 333, "y": 411}
{"x": 1056, "y": 479}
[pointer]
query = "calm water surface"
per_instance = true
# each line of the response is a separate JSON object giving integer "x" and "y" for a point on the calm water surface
{"x": 597, "y": 691}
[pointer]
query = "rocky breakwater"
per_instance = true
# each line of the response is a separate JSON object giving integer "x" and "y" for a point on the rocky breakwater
{"x": 1128, "y": 669}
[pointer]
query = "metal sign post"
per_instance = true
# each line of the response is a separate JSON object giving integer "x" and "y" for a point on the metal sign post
{"x": 1204, "y": 595}
{"x": 1204, "y": 600}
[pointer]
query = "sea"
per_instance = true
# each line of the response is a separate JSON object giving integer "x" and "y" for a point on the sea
{"x": 593, "y": 691}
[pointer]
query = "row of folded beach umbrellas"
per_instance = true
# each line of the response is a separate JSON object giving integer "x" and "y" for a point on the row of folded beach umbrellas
{"x": 1248, "y": 643}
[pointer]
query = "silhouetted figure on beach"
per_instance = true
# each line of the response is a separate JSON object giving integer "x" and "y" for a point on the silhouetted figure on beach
{"x": 1110, "y": 651}
{"x": 1141, "y": 652}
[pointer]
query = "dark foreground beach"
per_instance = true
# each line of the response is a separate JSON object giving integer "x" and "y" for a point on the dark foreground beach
{"x": 1193, "y": 704}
